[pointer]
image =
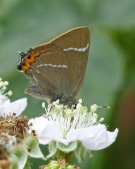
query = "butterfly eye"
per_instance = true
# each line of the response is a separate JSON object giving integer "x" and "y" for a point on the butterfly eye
{"x": 19, "y": 67}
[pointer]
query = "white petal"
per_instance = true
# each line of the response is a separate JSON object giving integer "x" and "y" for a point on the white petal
{"x": 17, "y": 107}
{"x": 93, "y": 138}
{"x": 38, "y": 124}
{"x": 46, "y": 131}
{"x": 51, "y": 133}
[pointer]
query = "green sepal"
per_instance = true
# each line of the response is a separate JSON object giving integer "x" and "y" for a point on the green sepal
{"x": 19, "y": 157}
{"x": 32, "y": 144}
{"x": 80, "y": 152}
{"x": 52, "y": 149}
{"x": 67, "y": 148}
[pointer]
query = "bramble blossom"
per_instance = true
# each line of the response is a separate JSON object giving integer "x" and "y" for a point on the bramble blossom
{"x": 6, "y": 106}
{"x": 69, "y": 129}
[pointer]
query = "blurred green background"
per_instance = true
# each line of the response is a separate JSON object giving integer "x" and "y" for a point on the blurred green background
{"x": 110, "y": 75}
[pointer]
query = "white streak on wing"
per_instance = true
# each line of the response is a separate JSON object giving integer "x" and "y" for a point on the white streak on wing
{"x": 77, "y": 49}
{"x": 36, "y": 70}
{"x": 51, "y": 65}
{"x": 34, "y": 76}
{"x": 35, "y": 79}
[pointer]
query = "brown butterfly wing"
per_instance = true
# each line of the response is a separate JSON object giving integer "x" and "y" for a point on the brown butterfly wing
{"x": 49, "y": 74}
{"x": 60, "y": 69}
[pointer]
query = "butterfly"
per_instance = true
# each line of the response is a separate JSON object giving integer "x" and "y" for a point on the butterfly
{"x": 57, "y": 68}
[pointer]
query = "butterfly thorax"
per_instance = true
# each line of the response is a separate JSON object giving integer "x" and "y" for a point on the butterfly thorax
{"x": 69, "y": 100}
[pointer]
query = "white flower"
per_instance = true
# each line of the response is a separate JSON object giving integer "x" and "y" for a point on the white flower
{"x": 7, "y": 107}
{"x": 67, "y": 127}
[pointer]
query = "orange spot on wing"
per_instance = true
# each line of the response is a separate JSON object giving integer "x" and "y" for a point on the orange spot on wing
{"x": 25, "y": 68}
{"x": 29, "y": 60}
